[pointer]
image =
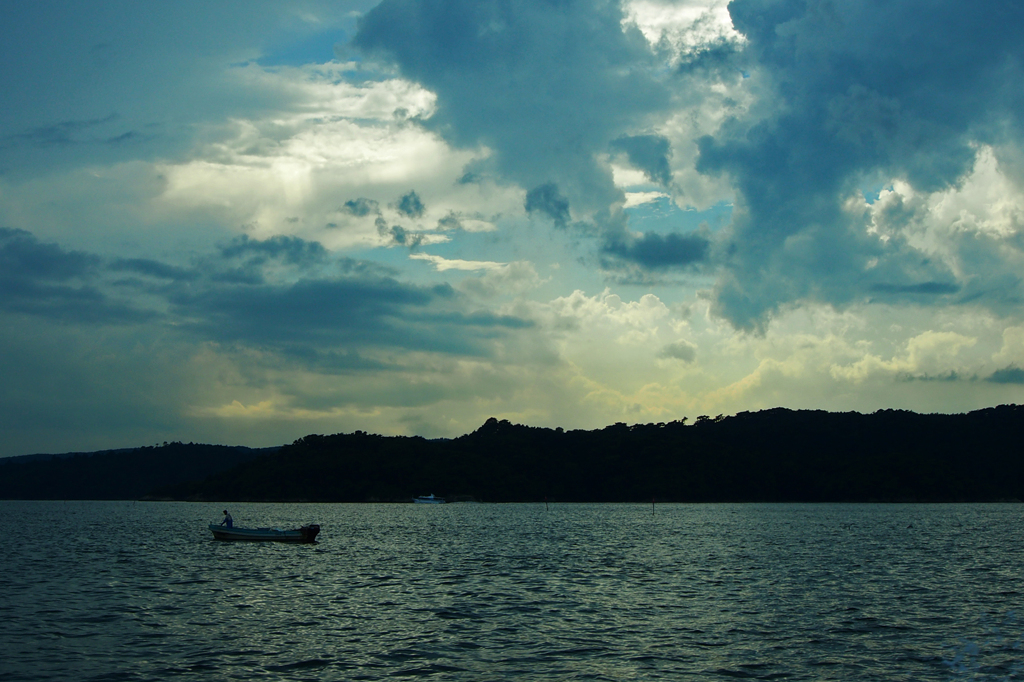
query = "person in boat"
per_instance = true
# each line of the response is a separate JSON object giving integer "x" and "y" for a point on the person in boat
{"x": 228, "y": 521}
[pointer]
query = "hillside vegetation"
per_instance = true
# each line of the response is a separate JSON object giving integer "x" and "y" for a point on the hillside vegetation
{"x": 115, "y": 474}
{"x": 774, "y": 455}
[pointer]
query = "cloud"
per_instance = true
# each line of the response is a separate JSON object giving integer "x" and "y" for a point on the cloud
{"x": 926, "y": 358}
{"x": 44, "y": 280}
{"x": 324, "y": 303}
{"x": 681, "y": 350}
{"x": 490, "y": 64}
{"x": 660, "y": 251}
{"x": 320, "y": 302}
{"x": 69, "y": 133}
{"x": 548, "y": 201}
{"x": 360, "y": 207}
{"x": 649, "y": 153}
{"x": 289, "y": 295}
{"x": 924, "y": 288}
{"x": 441, "y": 264}
{"x": 152, "y": 268}
{"x": 22, "y": 256}
{"x": 512, "y": 279}
{"x": 810, "y": 117}
{"x": 634, "y": 199}
{"x": 844, "y": 179}
{"x": 410, "y": 205}
{"x": 399, "y": 236}
{"x": 291, "y": 250}
{"x": 132, "y": 94}
{"x": 848, "y": 96}
{"x": 947, "y": 377}
{"x": 1007, "y": 375}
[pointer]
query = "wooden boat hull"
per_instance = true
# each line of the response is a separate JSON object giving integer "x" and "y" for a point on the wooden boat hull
{"x": 304, "y": 534}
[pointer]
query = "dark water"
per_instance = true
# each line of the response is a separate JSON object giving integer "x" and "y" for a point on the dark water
{"x": 141, "y": 591}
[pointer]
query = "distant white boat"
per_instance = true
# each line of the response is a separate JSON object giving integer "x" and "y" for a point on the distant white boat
{"x": 304, "y": 534}
{"x": 428, "y": 499}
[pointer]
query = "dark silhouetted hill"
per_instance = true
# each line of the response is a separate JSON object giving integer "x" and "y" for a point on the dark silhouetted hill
{"x": 775, "y": 455}
{"x": 115, "y": 474}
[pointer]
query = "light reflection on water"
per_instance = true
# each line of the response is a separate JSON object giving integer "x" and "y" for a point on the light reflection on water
{"x": 141, "y": 591}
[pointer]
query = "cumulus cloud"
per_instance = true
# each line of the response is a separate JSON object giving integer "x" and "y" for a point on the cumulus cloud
{"x": 490, "y": 64}
{"x": 926, "y": 356}
{"x": 852, "y": 95}
{"x": 825, "y": 117}
{"x": 514, "y": 279}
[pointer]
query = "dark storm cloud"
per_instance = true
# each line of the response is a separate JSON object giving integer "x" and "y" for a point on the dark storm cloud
{"x": 325, "y": 306}
{"x": 243, "y": 260}
{"x": 361, "y": 305}
{"x": 648, "y": 153}
{"x": 47, "y": 281}
{"x": 23, "y": 256}
{"x": 292, "y": 250}
{"x": 1007, "y": 375}
{"x": 862, "y": 89}
{"x": 924, "y": 288}
{"x": 410, "y": 205}
{"x": 67, "y": 133}
{"x": 330, "y": 362}
{"x": 546, "y": 86}
{"x": 153, "y": 268}
{"x": 716, "y": 60}
{"x": 313, "y": 310}
{"x": 659, "y": 251}
{"x": 290, "y": 297}
{"x": 310, "y": 317}
{"x": 846, "y": 94}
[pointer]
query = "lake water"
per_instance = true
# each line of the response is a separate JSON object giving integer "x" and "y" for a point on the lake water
{"x": 141, "y": 591}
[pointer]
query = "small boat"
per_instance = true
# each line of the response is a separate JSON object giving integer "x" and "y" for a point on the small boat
{"x": 428, "y": 499}
{"x": 304, "y": 534}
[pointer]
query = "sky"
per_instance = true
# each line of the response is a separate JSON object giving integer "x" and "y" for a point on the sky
{"x": 245, "y": 222}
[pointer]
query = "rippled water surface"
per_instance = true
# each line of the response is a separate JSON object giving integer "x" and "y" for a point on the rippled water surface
{"x": 141, "y": 591}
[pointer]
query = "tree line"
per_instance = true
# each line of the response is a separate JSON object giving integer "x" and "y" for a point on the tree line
{"x": 124, "y": 474}
{"x": 776, "y": 455}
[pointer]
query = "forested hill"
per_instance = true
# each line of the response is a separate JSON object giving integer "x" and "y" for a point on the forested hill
{"x": 773, "y": 455}
{"x": 125, "y": 474}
